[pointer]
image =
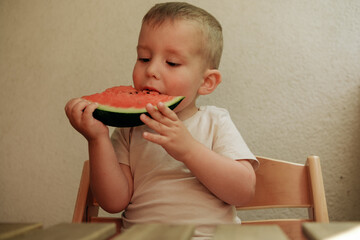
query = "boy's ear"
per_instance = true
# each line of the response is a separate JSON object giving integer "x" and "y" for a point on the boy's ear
{"x": 212, "y": 79}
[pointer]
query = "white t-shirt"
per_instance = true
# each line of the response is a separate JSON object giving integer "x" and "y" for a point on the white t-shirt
{"x": 164, "y": 189}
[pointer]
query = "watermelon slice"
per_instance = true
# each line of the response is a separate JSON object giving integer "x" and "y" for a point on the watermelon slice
{"x": 122, "y": 106}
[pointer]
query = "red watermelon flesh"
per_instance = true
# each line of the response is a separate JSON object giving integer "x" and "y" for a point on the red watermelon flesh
{"x": 122, "y": 106}
{"x": 128, "y": 97}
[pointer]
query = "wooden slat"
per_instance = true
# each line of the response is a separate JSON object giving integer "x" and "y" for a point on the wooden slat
{"x": 72, "y": 231}
{"x": 318, "y": 192}
{"x": 157, "y": 232}
{"x": 81, "y": 200}
{"x": 333, "y": 230}
{"x": 237, "y": 232}
{"x": 9, "y": 230}
{"x": 276, "y": 187}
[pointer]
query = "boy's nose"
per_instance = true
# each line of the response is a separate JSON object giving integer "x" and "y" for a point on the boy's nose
{"x": 153, "y": 70}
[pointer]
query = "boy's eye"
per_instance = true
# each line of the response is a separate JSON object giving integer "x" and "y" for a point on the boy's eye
{"x": 172, "y": 64}
{"x": 144, "y": 59}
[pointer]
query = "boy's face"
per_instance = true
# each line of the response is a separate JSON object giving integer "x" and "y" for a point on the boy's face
{"x": 170, "y": 61}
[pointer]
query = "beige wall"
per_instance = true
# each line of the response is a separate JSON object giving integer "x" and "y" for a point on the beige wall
{"x": 291, "y": 80}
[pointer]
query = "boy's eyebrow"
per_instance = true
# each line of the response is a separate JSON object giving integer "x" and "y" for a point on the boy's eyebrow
{"x": 141, "y": 47}
{"x": 168, "y": 51}
{"x": 174, "y": 51}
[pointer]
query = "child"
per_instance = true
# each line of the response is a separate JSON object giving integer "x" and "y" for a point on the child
{"x": 189, "y": 165}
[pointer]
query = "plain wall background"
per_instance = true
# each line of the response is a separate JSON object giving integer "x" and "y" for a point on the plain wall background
{"x": 291, "y": 81}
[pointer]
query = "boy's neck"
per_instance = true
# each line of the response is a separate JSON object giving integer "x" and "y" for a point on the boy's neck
{"x": 187, "y": 112}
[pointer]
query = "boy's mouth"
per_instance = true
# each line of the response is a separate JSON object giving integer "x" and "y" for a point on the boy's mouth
{"x": 150, "y": 89}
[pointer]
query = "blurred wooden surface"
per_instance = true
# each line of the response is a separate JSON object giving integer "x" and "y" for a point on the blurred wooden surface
{"x": 107, "y": 231}
{"x": 333, "y": 230}
{"x": 71, "y": 231}
{"x": 10, "y": 230}
{"x": 251, "y": 232}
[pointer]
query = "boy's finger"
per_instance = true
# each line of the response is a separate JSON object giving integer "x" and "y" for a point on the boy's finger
{"x": 147, "y": 121}
{"x": 166, "y": 111}
{"x": 155, "y": 138}
{"x": 78, "y": 108}
{"x": 156, "y": 115}
{"x": 70, "y": 105}
{"x": 72, "y": 112}
{"x": 89, "y": 109}
{"x": 153, "y": 124}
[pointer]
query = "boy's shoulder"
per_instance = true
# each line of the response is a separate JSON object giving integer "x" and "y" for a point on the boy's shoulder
{"x": 211, "y": 114}
{"x": 213, "y": 110}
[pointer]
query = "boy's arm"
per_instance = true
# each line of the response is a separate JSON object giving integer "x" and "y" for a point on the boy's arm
{"x": 230, "y": 180}
{"x": 110, "y": 181}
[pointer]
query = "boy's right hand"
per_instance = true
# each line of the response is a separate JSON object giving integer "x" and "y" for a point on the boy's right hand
{"x": 79, "y": 113}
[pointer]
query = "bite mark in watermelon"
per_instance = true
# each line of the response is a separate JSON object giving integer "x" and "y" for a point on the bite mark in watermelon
{"x": 122, "y": 106}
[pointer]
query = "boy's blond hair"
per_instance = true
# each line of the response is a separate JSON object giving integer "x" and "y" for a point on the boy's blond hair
{"x": 211, "y": 28}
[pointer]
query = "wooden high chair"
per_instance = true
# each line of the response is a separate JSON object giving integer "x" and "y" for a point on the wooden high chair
{"x": 279, "y": 184}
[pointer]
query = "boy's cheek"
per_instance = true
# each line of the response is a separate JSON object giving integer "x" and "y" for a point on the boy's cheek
{"x": 136, "y": 74}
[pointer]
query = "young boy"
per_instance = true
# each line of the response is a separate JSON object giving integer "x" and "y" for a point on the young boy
{"x": 189, "y": 165}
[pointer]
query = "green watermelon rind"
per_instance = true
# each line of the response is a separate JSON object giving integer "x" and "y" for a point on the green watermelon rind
{"x": 126, "y": 117}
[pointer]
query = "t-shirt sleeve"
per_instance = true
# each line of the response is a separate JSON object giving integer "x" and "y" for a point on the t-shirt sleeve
{"x": 120, "y": 139}
{"x": 229, "y": 142}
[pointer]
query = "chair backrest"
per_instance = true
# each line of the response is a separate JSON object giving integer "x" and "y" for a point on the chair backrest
{"x": 279, "y": 184}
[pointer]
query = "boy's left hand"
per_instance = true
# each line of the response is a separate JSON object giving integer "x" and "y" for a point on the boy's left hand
{"x": 172, "y": 135}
